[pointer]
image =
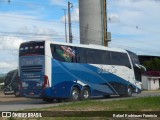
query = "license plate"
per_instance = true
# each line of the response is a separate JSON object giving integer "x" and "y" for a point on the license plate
{"x": 32, "y": 93}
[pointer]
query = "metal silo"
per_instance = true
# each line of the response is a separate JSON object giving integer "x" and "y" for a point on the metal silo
{"x": 92, "y": 22}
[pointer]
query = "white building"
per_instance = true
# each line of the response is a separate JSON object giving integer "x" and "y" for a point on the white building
{"x": 150, "y": 83}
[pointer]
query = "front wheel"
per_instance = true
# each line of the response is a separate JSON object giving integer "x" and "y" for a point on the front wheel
{"x": 129, "y": 92}
{"x": 75, "y": 94}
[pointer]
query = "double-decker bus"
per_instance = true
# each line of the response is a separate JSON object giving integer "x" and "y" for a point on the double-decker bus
{"x": 52, "y": 70}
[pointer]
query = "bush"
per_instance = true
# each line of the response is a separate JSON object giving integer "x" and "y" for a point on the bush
{"x": 1, "y": 79}
{"x": 153, "y": 67}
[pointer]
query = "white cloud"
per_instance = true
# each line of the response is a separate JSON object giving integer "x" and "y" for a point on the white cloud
{"x": 4, "y": 65}
{"x": 113, "y": 18}
{"x": 10, "y": 43}
{"x": 138, "y": 25}
{"x": 74, "y": 16}
{"x": 59, "y": 2}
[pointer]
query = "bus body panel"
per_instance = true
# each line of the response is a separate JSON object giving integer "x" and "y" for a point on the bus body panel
{"x": 48, "y": 62}
{"x": 64, "y": 74}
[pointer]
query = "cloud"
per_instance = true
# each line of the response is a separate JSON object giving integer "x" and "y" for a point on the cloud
{"x": 59, "y": 2}
{"x": 10, "y": 43}
{"x": 4, "y": 65}
{"x": 74, "y": 16}
{"x": 113, "y": 18}
{"x": 138, "y": 25}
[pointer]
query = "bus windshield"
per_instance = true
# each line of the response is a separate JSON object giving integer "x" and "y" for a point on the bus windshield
{"x": 32, "y": 48}
{"x": 135, "y": 60}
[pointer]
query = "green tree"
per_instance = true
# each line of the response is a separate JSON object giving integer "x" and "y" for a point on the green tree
{"x": 153, "y": 64}
{"x": 1, "y": 79}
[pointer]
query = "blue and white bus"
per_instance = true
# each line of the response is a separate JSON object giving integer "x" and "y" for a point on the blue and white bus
{"x": 52, "y": 70}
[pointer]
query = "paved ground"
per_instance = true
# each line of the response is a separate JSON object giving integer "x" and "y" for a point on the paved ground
{"x": 12, "y": 103}
{"x": 9, "y": 98}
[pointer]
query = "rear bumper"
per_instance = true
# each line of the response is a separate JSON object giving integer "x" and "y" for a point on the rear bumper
{"x": 39, "y": 94}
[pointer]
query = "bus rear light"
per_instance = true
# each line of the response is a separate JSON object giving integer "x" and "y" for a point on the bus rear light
{"x": 46, "y": 82}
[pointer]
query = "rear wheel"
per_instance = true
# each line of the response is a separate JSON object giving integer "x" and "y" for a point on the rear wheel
{"x": 86, "y": 94}
{"x": 75, "y": 94}
{"x": 106, "y": 96}
{"x": 49, "y": 100}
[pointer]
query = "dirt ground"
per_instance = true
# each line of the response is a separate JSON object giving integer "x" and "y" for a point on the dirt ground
{"x": 8, "y": 98}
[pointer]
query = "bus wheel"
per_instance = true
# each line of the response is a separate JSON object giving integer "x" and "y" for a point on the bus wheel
{"x": 59, "y": 100}
{"x": 49, "y": 100}
{"x": 106, "y": 96}
{"x": 129, "y": 92}
{"x": 17, "y": 93}
{"x": 86, "y": 93}
{"x": 75, "y": 94}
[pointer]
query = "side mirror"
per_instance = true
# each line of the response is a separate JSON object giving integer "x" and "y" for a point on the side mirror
{"x": 141, "y": 67}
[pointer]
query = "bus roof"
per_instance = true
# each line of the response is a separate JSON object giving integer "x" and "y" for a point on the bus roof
{"x": 90, "y": 46}
{"x": 81, "y": 45}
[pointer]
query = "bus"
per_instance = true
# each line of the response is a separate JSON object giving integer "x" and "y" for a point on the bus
{"x": 12, "y": 83}
{"x": 53, "y": 70}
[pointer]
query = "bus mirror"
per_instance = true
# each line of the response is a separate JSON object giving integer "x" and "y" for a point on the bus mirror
{"x": 141, "y": 67}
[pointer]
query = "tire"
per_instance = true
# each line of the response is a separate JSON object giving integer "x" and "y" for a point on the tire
{"x": 17, "y": 93}
{"x": 49, "y": 100}
{"x": 75, "y": 94}
{"x": 4, "y": 92}
{"x": 129, "y": 92}
{"x": 59, "y": 100}
{"x": 86, "y": 94}
{"x": 106, "y": 96}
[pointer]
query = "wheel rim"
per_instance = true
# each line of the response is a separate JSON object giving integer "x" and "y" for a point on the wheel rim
{"x": 17, "y": 93}
{"x": 86, "y": 94}
{"x": 75, "y": 94}
{"x": 129, "y": 91}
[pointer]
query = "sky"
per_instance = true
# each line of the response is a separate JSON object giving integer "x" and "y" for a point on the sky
{"x": 134, "y": 25}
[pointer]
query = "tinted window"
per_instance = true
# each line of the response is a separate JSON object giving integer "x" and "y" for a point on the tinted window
{"x": 86, "y": 55}
{"x": 31, "y": 48}
{"x": 120, "y": 59}
{"x": 81, "y": 55}
{"x": 63, "y": 53}
{"x": 134, "y": 57}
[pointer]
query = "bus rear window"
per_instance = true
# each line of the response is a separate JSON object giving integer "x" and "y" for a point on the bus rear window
{"x": 31, "y": 48}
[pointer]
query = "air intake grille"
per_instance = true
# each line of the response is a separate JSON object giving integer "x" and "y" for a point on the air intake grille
{"x": 35, "y": 68}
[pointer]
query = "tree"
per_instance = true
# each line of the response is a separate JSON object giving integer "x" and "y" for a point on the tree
{"x": 1, "y": 79}
{"x": 153, "y": 65}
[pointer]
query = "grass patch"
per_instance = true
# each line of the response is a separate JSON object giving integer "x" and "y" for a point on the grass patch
{"x": 101, "y": 108}
{"x": 136, "y": 104}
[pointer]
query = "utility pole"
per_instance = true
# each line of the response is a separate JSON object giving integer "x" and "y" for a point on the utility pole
{"x": 65, "y": 25}
{"x": 70, "y": 5}
{"x": 105, "y": 23}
